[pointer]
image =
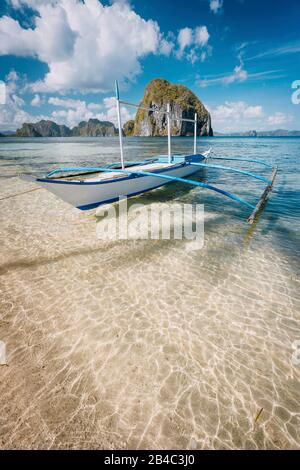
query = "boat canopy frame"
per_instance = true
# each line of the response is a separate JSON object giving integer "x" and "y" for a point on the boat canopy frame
{"x": 166, "y": 112}
{"x": 111, "y": 168}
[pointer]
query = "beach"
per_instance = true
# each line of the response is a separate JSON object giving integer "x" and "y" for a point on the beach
{"x": 145, "y": 344}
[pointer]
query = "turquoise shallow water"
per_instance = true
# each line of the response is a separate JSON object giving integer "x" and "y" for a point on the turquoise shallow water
{"x": 146, "y": 343}
{"x": 281, "y": 214}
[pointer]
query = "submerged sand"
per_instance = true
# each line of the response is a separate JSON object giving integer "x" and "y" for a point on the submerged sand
{"x": 142, "y": 344}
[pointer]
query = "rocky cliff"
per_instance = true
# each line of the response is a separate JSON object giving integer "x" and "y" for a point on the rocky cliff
{"x": 184, "y": 104}
{"x": 92, "y": 128}
{"x": 43, "y": 129}
{"x": 128, "y": 128}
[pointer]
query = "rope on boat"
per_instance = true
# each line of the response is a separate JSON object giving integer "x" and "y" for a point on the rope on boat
{"x": 19, "y": 194}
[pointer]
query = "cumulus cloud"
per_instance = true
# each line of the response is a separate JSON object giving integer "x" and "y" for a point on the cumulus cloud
{"x": 185, "y": 39}
{"x": 65, "y": 102}
{"x": 12, "y": 113}
{"x": 86, "y": 45}
{"x": 36, "y": 100}
{"x": 215, "y": 5}
{"x": 193, "y": 44}
{"x": 52, "y": 39}
{"x": 74, "y": 111}
{"x": 235, "y": 116}
{"x": 201, "y": 35}
{"x": 241, "y": 116}
{"x": 236, "y": 110}
{"x": 63, "y": 110}
{"x": 279, "y": 119}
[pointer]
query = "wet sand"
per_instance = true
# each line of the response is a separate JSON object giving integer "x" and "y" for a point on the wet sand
{"x": 142, "y": 344}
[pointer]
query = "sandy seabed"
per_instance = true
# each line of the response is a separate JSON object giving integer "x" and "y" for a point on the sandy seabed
{"x": 141, "y": 344}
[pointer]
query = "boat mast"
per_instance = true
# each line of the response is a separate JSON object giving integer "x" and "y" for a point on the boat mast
{"x": 169, "y": 132}
{"x": 120, "y": 125}
{"x": 195, "y": 135}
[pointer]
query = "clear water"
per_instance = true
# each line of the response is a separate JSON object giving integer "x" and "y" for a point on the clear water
{"x": 281, "y": 215}
{"x": 144, "y": 344}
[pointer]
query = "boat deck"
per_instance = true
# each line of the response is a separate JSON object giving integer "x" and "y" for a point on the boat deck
{"x": 147, "y": 167}
{"x": 100, "y": 176}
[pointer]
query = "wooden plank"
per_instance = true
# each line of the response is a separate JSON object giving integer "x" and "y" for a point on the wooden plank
{"x": 263, "y": 198}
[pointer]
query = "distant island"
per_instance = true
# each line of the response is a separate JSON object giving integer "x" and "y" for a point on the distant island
{"x": 276, "y": 133}
{"x": 96, "y": 128}
{"x": 183, "y": 102}
{"x": 91, "y": 128}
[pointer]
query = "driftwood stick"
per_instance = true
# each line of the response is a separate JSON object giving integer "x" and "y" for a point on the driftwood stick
{"x": 263, "y": 197}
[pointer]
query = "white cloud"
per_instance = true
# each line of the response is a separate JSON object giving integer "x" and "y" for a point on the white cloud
{"x": 66, "y": 110}
{"x": 253, "y": 112}
{"x": 66, "y": 103}
{"x": 86, "y": 45}
{"x": 12, "y": 76}
{"x": 51, "y": 40}
{"x": 201, "y": 35}
{"x": 75, "y": 111}
{"x": 215, "y": 5}
{"x": 236, "y": 110}
{"x": 236, "y": 116}
{"x": 12, "y": 114}
{"x": 193, "y": 44}
{"x": 279, "y": 119}
{"x": 166, "y": 47}
{"x": 238, "y": 75}
{"x": 285, "y": 49}
{"x": 185, "y": 39}
{"x": 240, "y": 116}
{"x": 36, "y": 100}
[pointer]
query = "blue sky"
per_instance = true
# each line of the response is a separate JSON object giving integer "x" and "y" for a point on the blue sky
{"x": 59, "y": 59}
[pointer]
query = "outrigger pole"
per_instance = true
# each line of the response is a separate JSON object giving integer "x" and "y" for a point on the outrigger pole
{"x": 158, "y": 175}
{"x": 263, "y": 197}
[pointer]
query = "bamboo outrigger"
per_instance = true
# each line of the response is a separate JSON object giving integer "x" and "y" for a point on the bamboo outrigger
{"x": 108, "y": 183}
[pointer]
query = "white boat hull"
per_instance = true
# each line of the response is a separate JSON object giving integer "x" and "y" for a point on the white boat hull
{"x": 91, "y": 193}
{"x": 86, "y": 196}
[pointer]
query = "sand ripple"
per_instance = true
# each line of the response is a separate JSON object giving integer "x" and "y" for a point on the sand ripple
{"x": 142, "y": 344}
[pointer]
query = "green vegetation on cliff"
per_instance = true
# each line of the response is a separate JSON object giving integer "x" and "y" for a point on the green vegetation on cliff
{"x": 184, "y": 104}
{"x": 128, "y": 128}
{"x": 92, "y": 128}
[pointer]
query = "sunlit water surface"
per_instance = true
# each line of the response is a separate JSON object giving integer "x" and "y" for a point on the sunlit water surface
{"x": 146, "y": 343}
